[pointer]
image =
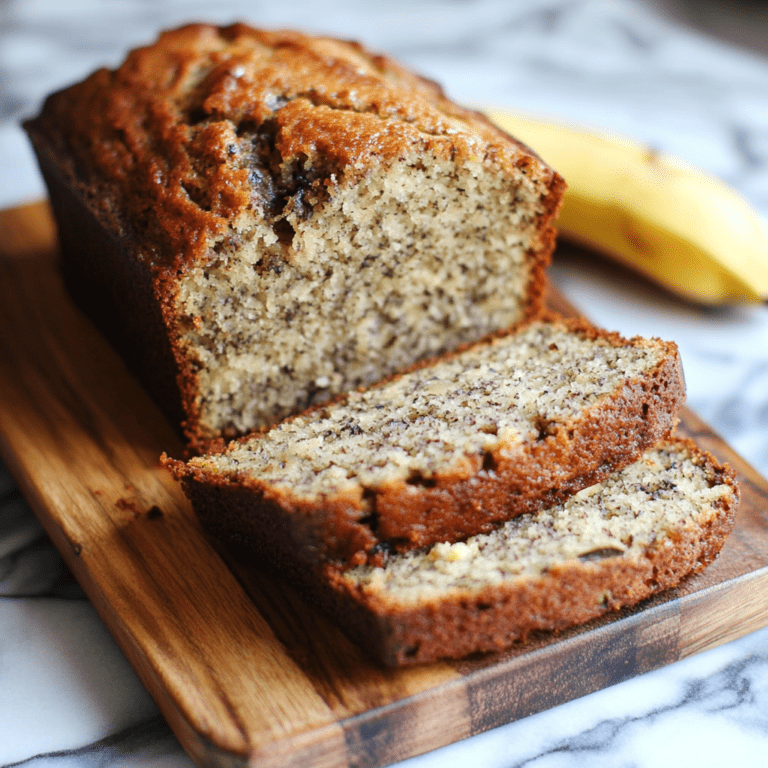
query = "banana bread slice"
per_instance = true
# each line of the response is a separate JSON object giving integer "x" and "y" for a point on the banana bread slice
{"x": 260, "y": 220}
{"x": 446, "y": 450}
{"x": 613, "y": 544}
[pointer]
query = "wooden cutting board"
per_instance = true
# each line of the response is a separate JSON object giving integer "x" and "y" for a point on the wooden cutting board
{"x": 244, "y": 672}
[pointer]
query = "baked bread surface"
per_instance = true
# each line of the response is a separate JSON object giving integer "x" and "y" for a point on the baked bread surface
{"x": 449, "y": 449}
{"x": 295, "y": 215}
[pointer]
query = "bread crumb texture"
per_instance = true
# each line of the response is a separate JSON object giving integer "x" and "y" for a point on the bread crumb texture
{"x": 647, "y": 505}
{"x": 399, "y": 266}
{"x": 489, "y": 399}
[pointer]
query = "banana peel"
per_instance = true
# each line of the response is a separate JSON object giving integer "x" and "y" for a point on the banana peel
{"x": 670, "y": 221}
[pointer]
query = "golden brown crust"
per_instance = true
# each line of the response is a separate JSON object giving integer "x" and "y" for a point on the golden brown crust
{"x": 332, "y": 103}
{"x": 366, "y": 526}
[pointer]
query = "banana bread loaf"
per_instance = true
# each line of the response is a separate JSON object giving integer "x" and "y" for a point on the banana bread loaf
{"x": 449, "y": 449}
{"x": 260, "y": 220}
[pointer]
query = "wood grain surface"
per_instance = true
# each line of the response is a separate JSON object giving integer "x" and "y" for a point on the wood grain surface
{"x": 243, "y": 670}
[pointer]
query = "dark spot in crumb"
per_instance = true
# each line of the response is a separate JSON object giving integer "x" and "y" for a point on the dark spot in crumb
{"x": 154, "y": 512}
{"x": 278, "y": 188}
{"x": 489, "y": 462}
{"x": 664, "y": 485}
{"x": 284, "y": 231}
{"x": 196, "y": 116}
{"x": 600, "y": 554}
{"x": 545, "y": 427}
{"x": 372, "y": 518}
{"x": 76, "y": 547}
{"x": 423, "y": 482}
{"x": 270, "y": 263}
{"x": 197, "y": 195}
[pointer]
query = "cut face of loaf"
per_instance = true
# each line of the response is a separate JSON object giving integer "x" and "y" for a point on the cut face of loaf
{"x": 261, "y": 220}
{"x": 638, "y": 532}
{"x": 447, "y": 450}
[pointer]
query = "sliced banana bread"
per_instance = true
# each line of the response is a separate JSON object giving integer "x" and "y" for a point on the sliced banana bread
{"x": 262, "y": 219}
{"x": 449, "y": 449}
{"x": 613, "y": 544}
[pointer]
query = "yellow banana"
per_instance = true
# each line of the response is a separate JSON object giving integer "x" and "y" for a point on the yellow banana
{"x": 655, "y": 213}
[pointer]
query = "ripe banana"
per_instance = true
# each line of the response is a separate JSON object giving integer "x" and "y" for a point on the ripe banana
{"x": 653, "y": 212}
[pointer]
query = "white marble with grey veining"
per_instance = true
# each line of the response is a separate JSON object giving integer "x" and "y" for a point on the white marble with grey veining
{"x": 67, "y": 695}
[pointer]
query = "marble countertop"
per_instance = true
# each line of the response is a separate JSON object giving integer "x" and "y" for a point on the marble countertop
{"x": 67, "y": 695}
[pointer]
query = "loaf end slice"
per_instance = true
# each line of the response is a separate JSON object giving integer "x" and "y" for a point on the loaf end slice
{"x": 614, "y": 544}
{"x": 446, "y": 450}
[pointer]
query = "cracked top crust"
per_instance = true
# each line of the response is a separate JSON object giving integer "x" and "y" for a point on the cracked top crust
{"x": 166, "y": 132}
